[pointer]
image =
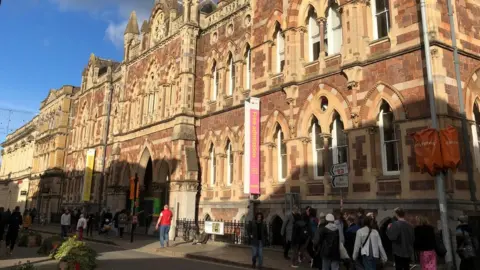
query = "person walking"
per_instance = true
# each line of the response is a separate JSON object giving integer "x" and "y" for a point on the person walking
{"x": 402, "y": 235}
{"x": 14, "y": 222}
{"x": 3, "y": 223}
{"x": 90, "y": 224}
{"x": 467, "y": 244}
{"x": 300, "y": 238}
{"x": 27, "y": 221}
{"x": 115, "y": 221}
{"x": 65, "y": 221}
{"x": 257, "y": 231}
{"x": 368, "y": 245}
{"x": 350, "y": 236}
{"x": 81, "y": 226}
{"x": 287, "y": 230}
{"x": 33, "y": 214}
{"x": 164, "y": 222}
{"x": 425, "y": 244}
{"x": 313, "y": 229}
{"x": 122, "y": 222}
{"x": 327, "y": 240}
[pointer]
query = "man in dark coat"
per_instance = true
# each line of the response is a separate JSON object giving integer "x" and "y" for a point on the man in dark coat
{"x": 327, "y": 241}
{"x": 14, "y": 222}
{"x": 287, "y": 230}
{"x": 257, "y": 231}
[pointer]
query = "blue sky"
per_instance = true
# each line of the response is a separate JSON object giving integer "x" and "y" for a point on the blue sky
{"x": 46, "y": 44}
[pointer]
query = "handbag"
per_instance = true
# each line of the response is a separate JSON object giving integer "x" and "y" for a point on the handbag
{"x": 359, "y": 263}
{"x": 440, "y": 248}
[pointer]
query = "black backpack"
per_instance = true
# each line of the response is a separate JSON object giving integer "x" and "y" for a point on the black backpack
{"x": 302, "y": 230}
{"x": 331, "y": 245}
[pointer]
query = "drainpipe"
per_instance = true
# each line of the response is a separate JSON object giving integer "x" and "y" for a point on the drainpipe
{"x": 442, "y": 201}
{"x": 105, "y": 142}
{"x": 468, "y": 155}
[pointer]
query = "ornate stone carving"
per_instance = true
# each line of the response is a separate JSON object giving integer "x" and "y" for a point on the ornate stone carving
{"x": 184, "y": 186}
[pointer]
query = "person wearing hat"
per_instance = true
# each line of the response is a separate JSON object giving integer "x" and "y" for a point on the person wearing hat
{"x": 327, "y": 243}
{"x": 467, "y": 244}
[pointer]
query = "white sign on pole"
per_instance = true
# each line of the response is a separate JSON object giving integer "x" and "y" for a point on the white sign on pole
{"x": 214, "y": 227}
{"x": 340, "y": 181}
{"x": 339, "y": 169}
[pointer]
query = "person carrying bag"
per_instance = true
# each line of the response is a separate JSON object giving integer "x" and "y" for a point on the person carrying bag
{"x": 368, "y": 248}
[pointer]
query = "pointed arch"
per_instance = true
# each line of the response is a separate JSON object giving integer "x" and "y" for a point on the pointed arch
{"x": 373, "y": 100}
{"x": 209, "y": 139}
{"x": 227, "y": 135}
{"x": 471, "y": 92}
{"x": 336, "y": 102}
{"x": 277, "y": 118}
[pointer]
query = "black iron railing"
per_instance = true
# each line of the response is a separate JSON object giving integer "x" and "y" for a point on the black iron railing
{"x": 234, "y": 232}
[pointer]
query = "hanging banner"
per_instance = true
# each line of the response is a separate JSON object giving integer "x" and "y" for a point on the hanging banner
{"x": 450, "y": 148}
{"x": 428, "y": 153}
{"x": 88, "y": 175}
{"x": 252, "y": 147}
{"x": 132, "y": 187}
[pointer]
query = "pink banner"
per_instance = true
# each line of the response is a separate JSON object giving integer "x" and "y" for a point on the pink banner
{"x": 255, "y": 150}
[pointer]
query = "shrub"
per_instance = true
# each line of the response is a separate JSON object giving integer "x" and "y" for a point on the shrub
{"x": 24, "y": 236}
{"x": 50, "y": 245}
{"x": 23, "y": 266}
{"x": 73, "y": 251}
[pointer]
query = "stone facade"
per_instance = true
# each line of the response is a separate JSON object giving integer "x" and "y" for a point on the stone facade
{"x": 15, "y": 172}
{"x": 339, "y": 81}
{"x": 48, "y": 171}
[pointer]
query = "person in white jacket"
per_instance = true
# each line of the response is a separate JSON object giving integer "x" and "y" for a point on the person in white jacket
{"x": 368, "y": 245}
{"x": 81, "y": 226}
{"x": 65, "y": 222}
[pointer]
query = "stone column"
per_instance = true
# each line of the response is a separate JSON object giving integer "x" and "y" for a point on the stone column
{"x": 327, "y": 161}
{"x": 305, "y": 142}
{"x": 183, "y": 196}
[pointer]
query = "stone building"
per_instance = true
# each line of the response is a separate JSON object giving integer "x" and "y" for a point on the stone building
{"x": 49, "y": 153}
{"x": 338, "y": 81}
{"x": 16, "y": 168}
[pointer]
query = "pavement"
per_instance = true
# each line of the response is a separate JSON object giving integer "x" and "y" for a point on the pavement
{"x": 116, "y": 253}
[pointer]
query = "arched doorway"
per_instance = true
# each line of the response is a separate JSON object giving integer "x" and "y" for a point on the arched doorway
{"x": 276, "y": 231}
{"x": 146, "y": 192}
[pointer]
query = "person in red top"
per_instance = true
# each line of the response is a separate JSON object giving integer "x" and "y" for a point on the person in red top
{"x": 164, "y": 222}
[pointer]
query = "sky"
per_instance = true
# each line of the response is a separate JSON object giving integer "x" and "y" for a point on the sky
{"x": 45, "y": 44}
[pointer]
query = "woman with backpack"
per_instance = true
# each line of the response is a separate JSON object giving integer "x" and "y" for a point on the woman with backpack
{"x": 368, "y": 246}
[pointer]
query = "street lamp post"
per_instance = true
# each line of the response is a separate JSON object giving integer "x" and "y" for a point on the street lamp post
{"x": 134, "y": 219}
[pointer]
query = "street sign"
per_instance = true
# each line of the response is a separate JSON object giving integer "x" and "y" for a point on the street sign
{"x": 340, "y": 181}
{"x": 339, "y": 169}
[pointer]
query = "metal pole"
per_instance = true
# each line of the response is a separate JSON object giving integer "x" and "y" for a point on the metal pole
{"x": 134, "y": 224}
{"x": 468, "y": 155}
{"x": 105, "y": 143}
{"x": 442, "y": 202}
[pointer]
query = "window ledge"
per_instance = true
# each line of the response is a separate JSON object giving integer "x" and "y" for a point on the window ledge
{"x": 388, "y": 177}
{"x": 333, "y": 56}
{"x": 277, "y": 75}
{"x": 312, "y": 63}
{"x": 380, "y": 41}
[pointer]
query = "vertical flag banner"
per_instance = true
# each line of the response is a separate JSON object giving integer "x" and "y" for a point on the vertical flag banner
{"x": 132, "y": 188}
{"x": 87, "y": 178}
{"x": 252, "y": 147}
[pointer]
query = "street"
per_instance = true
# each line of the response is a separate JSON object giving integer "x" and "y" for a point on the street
{"x": 111, "y": 257}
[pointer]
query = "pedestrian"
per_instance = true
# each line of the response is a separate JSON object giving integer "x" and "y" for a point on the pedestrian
{"x": 287, "y": 230}
{"x": 65, "y": 221}
{"x": 360, "y": 216}
{"x": 340, "y": 223}
{"x": 257, "y": 230}
{"x": 327, "y": 240}
{"x": 81, "y": 226}
{"x": 3, "y": 223}
{"x": 90, "y": 224}
{"x": 27, "y": 221}
{"x": 164, "y": 222}
{"x": 368, "y": 245}
{"x": 14, "y": 223}
{"x": 107, "y": 215}
{"x": 425, "y": 243}
{"x": 300, "y": 238}
{"x": 115, "y": 221}
{"x": 350, "y": 235}
{"x": 122, "y": 222}
{"x": 313, "y": 228}
{"x": 402, "y": 235}
{"x": 467, "y": 244}
{"x": 33, "y": 214}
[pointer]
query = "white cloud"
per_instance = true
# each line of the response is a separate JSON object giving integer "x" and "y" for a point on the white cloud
{"x": 115, "y": 13}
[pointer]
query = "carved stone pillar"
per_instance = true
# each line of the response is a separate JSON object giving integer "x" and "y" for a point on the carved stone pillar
{"x": 269, "y": 172}
{"x": 322, "y": 22}
{"x": 305, "y": 143}
{"x": 327, "y": 161}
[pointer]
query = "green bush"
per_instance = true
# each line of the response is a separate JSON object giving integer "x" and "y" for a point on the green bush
{"x": 24, "y": 235}
{"x": 23, "y": 266}
{"x": 50, "y": 245}
{"x": 73, "y": 251}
